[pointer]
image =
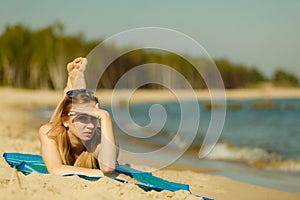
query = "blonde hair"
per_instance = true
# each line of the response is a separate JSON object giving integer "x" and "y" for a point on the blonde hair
{"x": 59, "y": 133}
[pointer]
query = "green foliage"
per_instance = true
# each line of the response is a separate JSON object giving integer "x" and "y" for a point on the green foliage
{"x": 282, "y": 78}
{"x": 237, "y": 76}
{"x": 152, "y": 57}
{"x": 38, "y": 59}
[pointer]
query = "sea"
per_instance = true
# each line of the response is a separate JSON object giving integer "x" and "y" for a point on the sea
{"x": 259, "y": 143}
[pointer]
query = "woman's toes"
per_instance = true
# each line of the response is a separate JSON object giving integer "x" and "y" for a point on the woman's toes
{"x": 82, "y": 65}
{"x": 70, "y": 67}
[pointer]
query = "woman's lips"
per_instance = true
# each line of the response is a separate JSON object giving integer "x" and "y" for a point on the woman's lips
{"x": 87, "y": 133}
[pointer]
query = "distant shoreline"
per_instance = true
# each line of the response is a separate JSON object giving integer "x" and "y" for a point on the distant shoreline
{"x": 149, "y": 95}
{"x": 144, "y": 96}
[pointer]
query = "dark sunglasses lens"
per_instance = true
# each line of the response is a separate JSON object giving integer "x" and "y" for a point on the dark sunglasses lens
{"x": 85, "y": 119}
{"x": 73, "y": 93}
{"x": 81, "y": 118}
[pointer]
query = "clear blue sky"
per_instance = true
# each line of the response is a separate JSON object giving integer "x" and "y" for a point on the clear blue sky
{"x": 258, "y": 33}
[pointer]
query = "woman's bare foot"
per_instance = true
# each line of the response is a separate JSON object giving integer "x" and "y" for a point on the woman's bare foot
{"x": 76, "y": 79}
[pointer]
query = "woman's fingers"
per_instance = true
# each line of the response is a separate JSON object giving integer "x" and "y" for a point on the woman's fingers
{"x": 96, "y": 112}
{"x": 87, "y": 110}
{"x": 128, "y": 178}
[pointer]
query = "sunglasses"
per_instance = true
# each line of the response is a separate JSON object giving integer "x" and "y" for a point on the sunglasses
{"x": 84, "y": 118}
{"x": 73, "y": 93}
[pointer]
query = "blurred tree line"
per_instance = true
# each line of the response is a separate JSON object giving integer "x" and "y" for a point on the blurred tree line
{"x": 37, "y": 59}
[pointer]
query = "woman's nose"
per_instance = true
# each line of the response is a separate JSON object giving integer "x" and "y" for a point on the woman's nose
{"x": 90, "y": 124}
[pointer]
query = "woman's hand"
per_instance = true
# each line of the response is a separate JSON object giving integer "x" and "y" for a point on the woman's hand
{"x": 92, "y": 111}
{"x": 107, "y": 156}
{"x": 128, "y": 178}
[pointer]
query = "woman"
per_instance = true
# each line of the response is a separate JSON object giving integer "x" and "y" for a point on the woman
{"x": 79, "y": 138}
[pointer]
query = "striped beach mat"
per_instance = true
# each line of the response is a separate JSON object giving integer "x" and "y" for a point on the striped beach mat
{"x": 28, "y": 163}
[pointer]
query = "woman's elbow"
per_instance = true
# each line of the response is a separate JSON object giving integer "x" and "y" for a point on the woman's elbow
{"x": 107, "y": 169}
{"x": 55, "y": 170}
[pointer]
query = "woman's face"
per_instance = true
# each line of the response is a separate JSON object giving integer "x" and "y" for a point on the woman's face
{"x": 82, "y": 125}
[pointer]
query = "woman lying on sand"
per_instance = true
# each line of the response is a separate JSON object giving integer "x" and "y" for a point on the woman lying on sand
{"x": 79, "y": 138}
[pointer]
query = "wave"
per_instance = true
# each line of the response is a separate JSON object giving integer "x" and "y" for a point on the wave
{"x": 254, "y": 157}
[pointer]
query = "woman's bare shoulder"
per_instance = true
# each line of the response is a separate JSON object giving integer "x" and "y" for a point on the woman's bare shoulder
{"x": 45, "y": 128}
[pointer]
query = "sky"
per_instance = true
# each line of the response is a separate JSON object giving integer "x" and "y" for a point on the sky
{"x": 263, "y": 34}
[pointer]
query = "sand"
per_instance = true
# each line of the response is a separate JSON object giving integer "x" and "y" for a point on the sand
{"x": 19, "y": 133}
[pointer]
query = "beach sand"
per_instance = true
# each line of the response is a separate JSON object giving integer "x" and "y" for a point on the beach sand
{"x": 19, "y": 133}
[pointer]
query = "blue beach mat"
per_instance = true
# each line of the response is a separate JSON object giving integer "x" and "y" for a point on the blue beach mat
{"x": 28, "y": 163}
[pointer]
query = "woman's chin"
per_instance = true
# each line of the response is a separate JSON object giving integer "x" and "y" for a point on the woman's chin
{"x": 86, "y": 136}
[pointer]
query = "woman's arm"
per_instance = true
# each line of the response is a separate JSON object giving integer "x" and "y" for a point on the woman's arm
{"x": 106, "y": 151}
{"x": 107, "y": 156}
{"x": 53, "y": 162}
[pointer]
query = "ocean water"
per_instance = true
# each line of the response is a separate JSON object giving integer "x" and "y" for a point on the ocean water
{"x": 271, "y": 127}
{"x": 259, "y": 143}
